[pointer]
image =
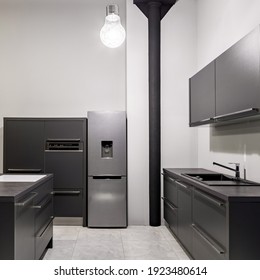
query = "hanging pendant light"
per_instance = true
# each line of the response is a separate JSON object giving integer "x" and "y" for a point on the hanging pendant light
{"x": 112, "y": 34}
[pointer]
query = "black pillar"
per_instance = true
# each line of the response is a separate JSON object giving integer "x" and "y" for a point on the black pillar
{"x": 154, "y": 10}
{"x": 154, "y": 23}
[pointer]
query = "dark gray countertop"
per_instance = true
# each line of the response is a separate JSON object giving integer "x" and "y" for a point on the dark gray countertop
{"x": 227, "y": 193}
{"x": 12, "y": 191}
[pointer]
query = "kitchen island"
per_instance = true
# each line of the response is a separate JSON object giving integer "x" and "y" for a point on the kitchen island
{"x": 26, "y": 216}
{"x": 212, "y": 220}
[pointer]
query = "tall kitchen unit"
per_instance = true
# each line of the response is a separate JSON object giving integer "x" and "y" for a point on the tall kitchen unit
{"x": 107, "y": 180}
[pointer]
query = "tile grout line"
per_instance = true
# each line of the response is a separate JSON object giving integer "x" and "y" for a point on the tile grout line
{"x": 76, "y": 241}
{"x": 122, "y": 244}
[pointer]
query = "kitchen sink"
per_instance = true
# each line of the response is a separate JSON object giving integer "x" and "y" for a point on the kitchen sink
{"x": 218, "y": 179}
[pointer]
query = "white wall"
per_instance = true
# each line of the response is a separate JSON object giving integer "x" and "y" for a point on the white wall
{"x": 178, "y": 48}
{"x": 179, "y": 142}
{"x": 137, "y": 115}
{"x": 52, "y": 62}
{"x": 220, "y": 24}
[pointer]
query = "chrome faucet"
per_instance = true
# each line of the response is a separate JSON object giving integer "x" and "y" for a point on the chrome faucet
{"x": 237, "y": 170}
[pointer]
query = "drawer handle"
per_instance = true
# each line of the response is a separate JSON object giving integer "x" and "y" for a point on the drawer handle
{"x": 63, "y": 151}
{"x": 216, "y": 202}
{"x": 43, "y": 204}
{"x": 63, "y": 139}
{"x": 40, "y": 235}
{"x": 27, "y": 201}
{"x": 220, "y": 252}
{"x": 23, "y": 170}
{"x": 246, "y": 111}
{"x": 206, "y": 120}
{"x": 166, "y": 200}
{"x": 182, "y": 185}
{"x": 167, "y": 177}
{"x": 65, "y": 192}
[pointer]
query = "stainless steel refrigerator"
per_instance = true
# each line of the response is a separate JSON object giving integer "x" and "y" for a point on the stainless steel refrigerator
{"x": 107, "y": 180}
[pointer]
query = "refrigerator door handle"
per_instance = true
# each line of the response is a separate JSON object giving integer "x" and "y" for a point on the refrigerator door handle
{"x": 103, "y": 177}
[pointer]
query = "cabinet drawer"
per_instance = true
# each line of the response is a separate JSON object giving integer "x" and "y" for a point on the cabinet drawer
{"x": 209, "y": 214}
{"x": 204, "y": 248}
{"x": 184, "y": 215}
{"x": 43, "y": 213}
{"x": 24, "y": 228}
{"x": 68, "y": 203}
{"x": 43, "y": 239}
{"x": 170, "y": 190}
{"x": 170, "y": 215}
{"x": 43, "y": 191}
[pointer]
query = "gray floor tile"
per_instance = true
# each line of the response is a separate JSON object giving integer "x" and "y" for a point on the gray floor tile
{"x": 142, "y": 233}
{"x": 62, "y": 250}
{"x": 134, "y": 242}
{"x": 66, "y": 232}
{"x": 148, "y": 250}
{"x": 98, "y": 250}
{"x": 91, "y": 235}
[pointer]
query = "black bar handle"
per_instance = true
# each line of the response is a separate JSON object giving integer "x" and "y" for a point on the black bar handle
{"x": 103, "y": 177}
{"x": 24, "y": 170}
{"x": 63, "y": 139}
{"x": 65, "y": 192}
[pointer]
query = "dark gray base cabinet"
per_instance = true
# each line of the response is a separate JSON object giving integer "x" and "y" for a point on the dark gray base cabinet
{"x": 208, "y": 227}
{"x": 27, "y": 224}
{"x": 177, "y": 210}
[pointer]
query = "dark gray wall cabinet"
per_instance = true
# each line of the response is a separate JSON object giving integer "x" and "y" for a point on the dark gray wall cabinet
{"x": 202, "y": 95}
{"x": 238, "y": 77}
{"x": 230, "y": 90}
{"x": 51, "y": 145}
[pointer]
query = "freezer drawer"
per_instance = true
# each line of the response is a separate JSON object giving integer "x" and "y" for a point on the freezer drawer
{"x": 107, "y": 202}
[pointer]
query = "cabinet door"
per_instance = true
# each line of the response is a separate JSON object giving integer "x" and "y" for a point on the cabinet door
{"x": 23, "y": 146}
{"x": 67, "y": 168}
{"x": 202, "y": 95}
{"x": 237, "y": 76}
{"x": 184, "y": 215}
{"x": 65, "y": 129}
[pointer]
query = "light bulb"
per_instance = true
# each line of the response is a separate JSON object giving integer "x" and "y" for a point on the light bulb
{"x": 112, "y": 34}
